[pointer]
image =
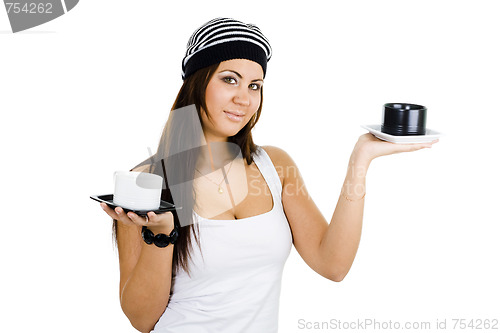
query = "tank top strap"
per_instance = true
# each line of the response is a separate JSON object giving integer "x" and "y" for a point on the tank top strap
{"x": 266, "y": 167}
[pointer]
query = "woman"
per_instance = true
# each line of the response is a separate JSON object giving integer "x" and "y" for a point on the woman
{"x": 243, "y": 205}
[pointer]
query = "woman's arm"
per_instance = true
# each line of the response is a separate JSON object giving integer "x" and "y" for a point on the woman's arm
{"x": 145, "y": 275}
{"x": 329, "y": 249}
{"x": 340, "y": 242}
{"x": 145, "y": 270}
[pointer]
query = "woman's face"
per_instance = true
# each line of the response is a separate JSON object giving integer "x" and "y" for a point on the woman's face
{"x": 232, "y": 98}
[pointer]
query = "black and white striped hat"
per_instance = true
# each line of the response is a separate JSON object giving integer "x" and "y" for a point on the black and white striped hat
{"x": 224, "y": 39}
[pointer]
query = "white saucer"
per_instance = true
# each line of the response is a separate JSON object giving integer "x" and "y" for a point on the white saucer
{"x": 430, "y": 135}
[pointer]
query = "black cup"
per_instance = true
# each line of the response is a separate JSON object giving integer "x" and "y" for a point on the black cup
{"x": 404, "y": 119}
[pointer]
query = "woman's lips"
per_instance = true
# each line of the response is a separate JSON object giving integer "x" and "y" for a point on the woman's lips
{"x": 233, "y": 116}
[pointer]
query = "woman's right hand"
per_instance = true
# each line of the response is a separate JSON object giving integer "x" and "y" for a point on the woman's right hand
{"x": 157, "y": 223}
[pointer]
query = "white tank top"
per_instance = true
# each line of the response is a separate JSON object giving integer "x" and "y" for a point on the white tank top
{"x": 235, "y": 287}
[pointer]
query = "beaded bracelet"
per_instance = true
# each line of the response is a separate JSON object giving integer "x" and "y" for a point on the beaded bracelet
{"x": 160, "y": 240}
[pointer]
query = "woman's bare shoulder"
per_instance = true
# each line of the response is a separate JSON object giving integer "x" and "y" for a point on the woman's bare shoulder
{"x": 281, "y": 160}
{"x": 277, "y": 155}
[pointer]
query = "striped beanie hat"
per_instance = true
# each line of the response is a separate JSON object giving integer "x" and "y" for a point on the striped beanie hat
{"x": 224, "y": 39}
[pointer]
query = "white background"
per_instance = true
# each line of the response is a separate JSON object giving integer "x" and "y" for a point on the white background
{"x": 88, "y": 93}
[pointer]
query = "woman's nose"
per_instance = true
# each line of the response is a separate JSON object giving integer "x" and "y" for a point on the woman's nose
{"x": 242, "y": 96}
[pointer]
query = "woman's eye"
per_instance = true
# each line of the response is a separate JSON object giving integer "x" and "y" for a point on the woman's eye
{"x": 254, "y": 86}
{"x": 230, "y": 80}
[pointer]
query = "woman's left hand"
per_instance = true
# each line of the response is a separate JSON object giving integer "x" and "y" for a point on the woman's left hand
{"x": 369, "y": 147}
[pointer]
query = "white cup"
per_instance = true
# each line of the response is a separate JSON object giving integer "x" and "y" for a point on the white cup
{"x": 137, "y": 190}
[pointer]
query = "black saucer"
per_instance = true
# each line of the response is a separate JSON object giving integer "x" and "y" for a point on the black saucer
{"x": 108, "y": 199}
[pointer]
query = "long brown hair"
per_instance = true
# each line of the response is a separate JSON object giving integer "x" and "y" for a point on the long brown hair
{"x": 174, "y": 134}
